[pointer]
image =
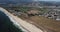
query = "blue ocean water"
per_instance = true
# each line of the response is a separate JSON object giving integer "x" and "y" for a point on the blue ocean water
{"x": 6, "y": 25}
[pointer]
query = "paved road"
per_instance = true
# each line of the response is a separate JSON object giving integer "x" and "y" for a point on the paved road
{"x": 27, "y": 27}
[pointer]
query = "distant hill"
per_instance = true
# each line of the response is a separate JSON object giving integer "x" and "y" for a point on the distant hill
{"x": 47, "y": 3}
{"x": 50, "y": 3}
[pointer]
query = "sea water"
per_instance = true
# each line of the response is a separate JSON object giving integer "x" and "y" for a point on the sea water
{"x": 6, "y": 25}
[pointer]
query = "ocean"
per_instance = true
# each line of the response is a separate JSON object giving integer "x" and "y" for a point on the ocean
{"x": 6, "y": 25}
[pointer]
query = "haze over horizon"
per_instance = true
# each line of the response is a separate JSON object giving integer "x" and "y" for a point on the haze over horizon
{"x": 47, "y": 0}
{"x": 26, "y": 0}
{"x": 21, "y": 1}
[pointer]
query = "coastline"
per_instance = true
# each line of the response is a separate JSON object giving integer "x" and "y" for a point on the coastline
{"x": 26, "y": 25}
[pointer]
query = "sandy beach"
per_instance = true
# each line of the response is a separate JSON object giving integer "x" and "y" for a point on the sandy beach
{"x": 27, "y": 27}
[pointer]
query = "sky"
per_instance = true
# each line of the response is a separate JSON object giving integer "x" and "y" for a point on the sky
{"x": 46, "y": 0}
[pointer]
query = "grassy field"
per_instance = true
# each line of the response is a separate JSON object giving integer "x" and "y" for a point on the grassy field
{"x": 48, "y": 24}
{"x": 25, "y": 9}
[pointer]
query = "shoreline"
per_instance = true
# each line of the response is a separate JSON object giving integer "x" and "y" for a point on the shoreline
{"x": 26, "y": 25}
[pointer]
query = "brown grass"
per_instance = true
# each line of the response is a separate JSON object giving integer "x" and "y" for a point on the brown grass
{"x": 46, "y": 23}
